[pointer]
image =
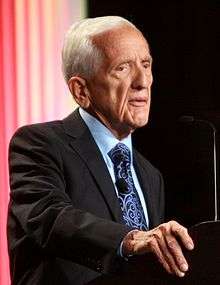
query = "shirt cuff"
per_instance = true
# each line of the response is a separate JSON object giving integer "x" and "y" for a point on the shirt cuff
{"x": 119, "y": 252}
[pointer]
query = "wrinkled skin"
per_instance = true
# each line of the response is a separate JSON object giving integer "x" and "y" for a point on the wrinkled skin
{"x": 119, "y": 95}
{"x": 163, "y": 242}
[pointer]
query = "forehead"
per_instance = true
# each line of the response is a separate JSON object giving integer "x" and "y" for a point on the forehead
{"x": 122, "y": 43}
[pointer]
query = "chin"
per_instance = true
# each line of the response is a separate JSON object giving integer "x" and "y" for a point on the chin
{"x": 141, "y": 121}
{"x": 139, "y": 118}
{"x": 138, "y": 124}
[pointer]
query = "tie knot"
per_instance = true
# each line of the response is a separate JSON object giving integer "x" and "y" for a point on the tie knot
{"x": 120, "y": 153}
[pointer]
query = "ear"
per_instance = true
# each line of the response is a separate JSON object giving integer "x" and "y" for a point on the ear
{"x": 79, "y": 91}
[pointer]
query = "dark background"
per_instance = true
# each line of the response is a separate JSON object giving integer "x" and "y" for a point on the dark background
{"x": 184, "y": 37}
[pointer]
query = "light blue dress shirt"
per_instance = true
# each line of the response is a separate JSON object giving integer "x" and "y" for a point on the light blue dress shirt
{"x": 106, "y": 141}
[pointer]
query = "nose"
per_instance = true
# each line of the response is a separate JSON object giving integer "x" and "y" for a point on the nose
{"x": 142, "y": 78}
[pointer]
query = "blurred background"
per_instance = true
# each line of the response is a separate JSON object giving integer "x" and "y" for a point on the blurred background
{"x": 32, "y": 88}
{"x": 185, "y": 41}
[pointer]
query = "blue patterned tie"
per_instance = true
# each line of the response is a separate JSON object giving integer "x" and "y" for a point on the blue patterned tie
{"x": 132, "y": 210}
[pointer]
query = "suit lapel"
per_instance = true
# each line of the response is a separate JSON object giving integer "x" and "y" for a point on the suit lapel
{"x": 83, "y": 143}
{"x": 147, "y": 189}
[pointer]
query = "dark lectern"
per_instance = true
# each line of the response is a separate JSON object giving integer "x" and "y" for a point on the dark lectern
{"x": 204, "y": 263}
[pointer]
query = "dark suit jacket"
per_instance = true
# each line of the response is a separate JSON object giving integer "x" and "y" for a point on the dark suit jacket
{"x": 65, "y": 224}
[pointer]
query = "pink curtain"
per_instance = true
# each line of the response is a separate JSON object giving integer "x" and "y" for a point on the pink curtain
{"x": 31, "y": 85}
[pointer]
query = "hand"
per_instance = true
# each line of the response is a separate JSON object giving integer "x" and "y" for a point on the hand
{"x": 163, "y": 242}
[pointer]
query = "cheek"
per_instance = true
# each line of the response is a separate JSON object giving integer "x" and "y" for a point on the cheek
{"x": 122, "y": 92}
{"x": 112, "y": 95}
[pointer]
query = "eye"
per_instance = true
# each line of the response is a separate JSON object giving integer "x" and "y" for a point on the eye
{"x": 146, "y": 64}
{"x": 122, "y": 67}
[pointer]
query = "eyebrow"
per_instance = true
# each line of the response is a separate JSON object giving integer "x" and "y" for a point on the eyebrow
{"x": 128, "y": 60}
{"x": 148, "y": 58}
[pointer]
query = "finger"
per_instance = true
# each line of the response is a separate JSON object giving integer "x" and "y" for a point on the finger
{"x": 156, "y": 250}
{"x": 176, "y": 251}
{"x": 182, "y": 233}
{"x": 171, "y": 258}
{"x": 144, "y": 246}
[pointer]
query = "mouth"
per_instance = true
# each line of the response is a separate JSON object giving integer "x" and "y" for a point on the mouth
{"x": 138, "y": 102}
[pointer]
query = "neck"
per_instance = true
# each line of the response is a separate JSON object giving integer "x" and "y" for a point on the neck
{"x": 117, "y": 129}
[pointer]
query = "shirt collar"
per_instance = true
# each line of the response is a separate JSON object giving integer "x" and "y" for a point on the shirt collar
{"x": 102, "y": 135}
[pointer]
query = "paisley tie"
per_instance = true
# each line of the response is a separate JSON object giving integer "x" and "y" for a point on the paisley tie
{"x": 129, "y": 200}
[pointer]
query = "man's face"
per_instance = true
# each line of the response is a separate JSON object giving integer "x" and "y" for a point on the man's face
{"x": 119, "y": 92}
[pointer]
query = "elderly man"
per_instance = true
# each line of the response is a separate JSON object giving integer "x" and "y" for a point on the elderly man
{"x": 81, "y": 197}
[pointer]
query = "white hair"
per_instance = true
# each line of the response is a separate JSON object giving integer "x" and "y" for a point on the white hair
{"x": 79, "y": 55}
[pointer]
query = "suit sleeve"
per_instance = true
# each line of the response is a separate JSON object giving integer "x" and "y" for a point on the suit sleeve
{"x": 43, "y": 212}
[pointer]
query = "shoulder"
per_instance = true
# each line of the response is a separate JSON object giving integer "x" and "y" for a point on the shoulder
{"x": 36, "y": 132}
{"x": 47, "y": 131}
{"x": 36, "y": 142}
